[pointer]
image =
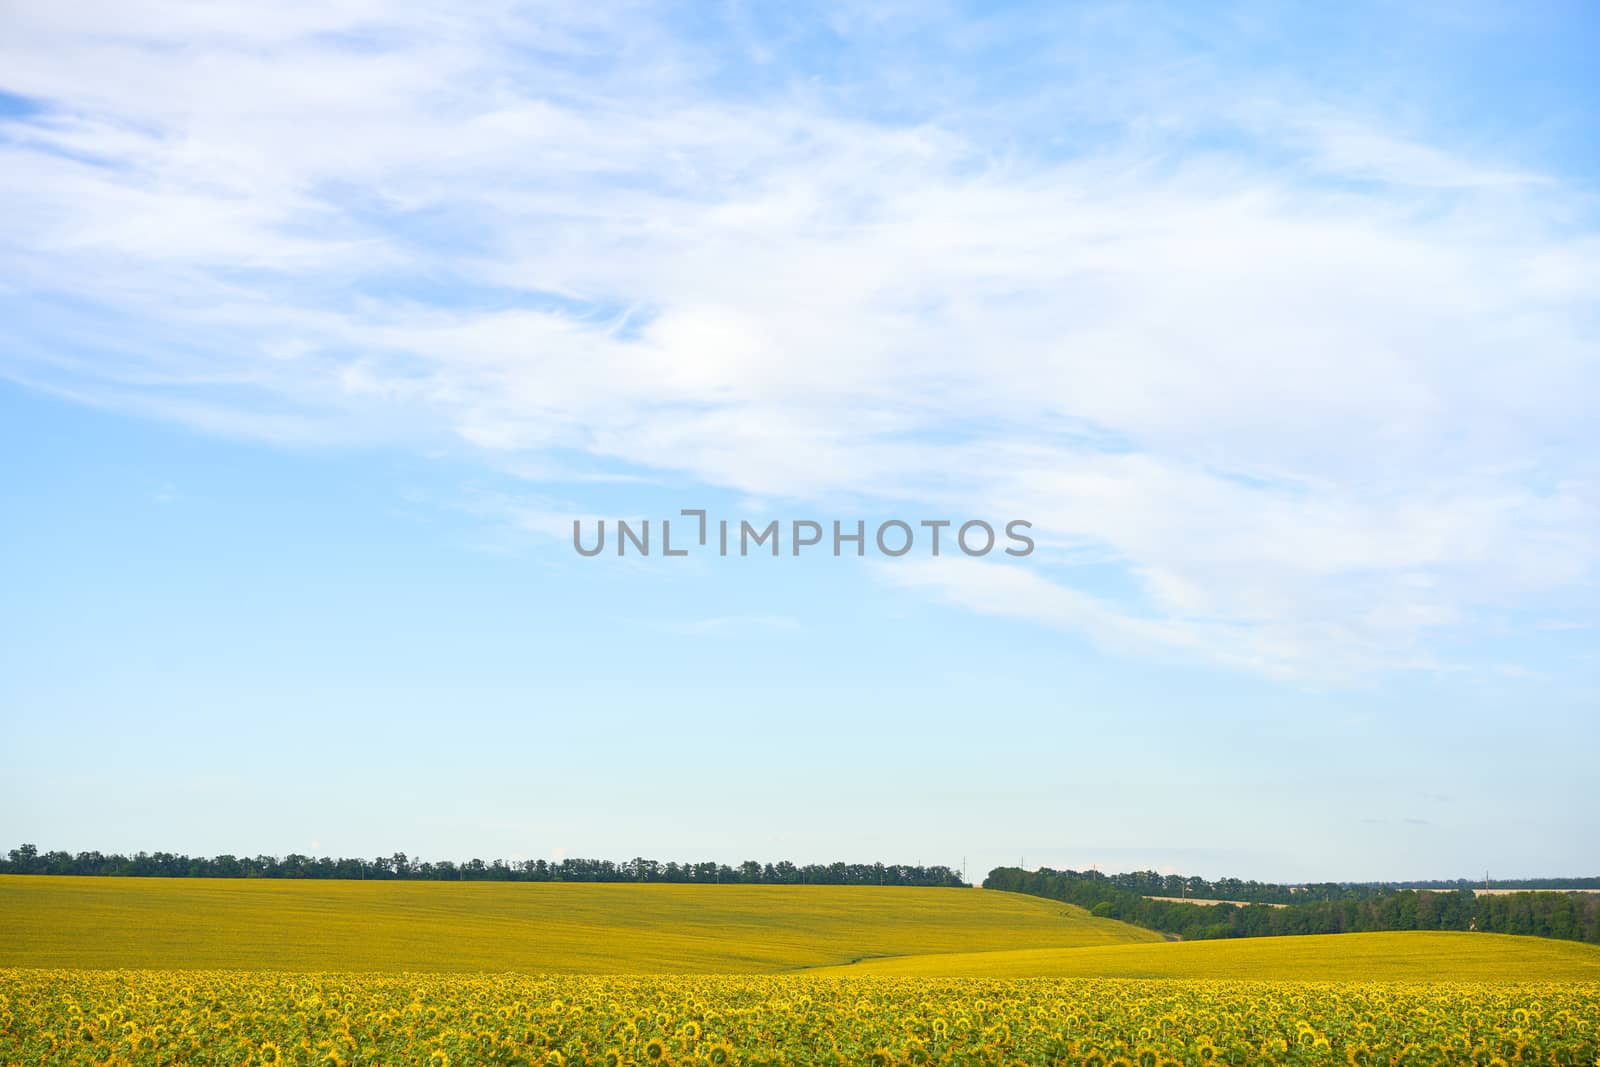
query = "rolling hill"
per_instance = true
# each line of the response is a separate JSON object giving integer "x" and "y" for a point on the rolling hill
{"x": 1401, "y": 956}
{"x": 590, "y": 928}
{"x": 577, "y": 928}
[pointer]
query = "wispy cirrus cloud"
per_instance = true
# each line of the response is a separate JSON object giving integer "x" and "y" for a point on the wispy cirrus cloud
{"x": 1317, "y": 385}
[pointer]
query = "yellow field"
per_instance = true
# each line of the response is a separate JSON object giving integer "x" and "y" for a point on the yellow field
{"x": 1206, "y": 903}
{"x": 150, "y": 1018}
{"x": 1047, "y": 984}
{"x": 1410, "y": 956}
{"x": 314, "y": 926}
{"x": 503, "y": 926}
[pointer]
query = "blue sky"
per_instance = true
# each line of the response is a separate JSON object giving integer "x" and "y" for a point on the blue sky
{"x": 325, "y": 322}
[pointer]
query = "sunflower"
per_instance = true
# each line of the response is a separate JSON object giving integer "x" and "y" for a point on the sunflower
{"x": 439, "y": 1058}
{"x": 655, "y": 1049}
{"x": 270, "y": 1053}
{"x": 691, "y": 1030}
{"x": 1359, "y": 1055}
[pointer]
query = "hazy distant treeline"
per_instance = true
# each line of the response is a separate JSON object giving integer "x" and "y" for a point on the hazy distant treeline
{"x": 1330, "y": 909}
{"x": 1154, "y": 884}
{"x": 29, "y": 860}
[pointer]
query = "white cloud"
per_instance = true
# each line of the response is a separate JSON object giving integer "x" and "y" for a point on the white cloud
{"x": 1323, "y": 395}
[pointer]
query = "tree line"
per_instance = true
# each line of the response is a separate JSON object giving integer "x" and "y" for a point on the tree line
{"x": 1568, "y": 916}
{"x": 1154, "y": 884}
{"x": 29, "y": 860}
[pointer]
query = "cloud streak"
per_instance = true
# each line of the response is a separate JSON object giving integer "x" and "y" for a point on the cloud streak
{"x": 1316, "y": 386}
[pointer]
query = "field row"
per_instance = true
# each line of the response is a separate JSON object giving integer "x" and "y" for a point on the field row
{"x": 158, "y": 1018}
{"x": 1409, "y": 956}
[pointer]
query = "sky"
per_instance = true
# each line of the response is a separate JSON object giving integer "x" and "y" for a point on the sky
{"x": 325, "y": 322}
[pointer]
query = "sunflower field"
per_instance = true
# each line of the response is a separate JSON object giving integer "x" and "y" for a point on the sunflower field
{"x": 152, "y": 1018}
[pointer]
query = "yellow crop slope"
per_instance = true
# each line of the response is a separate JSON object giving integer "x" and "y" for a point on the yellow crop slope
{"x": 157, "y": 1018}
{"x": 1425, "y": 956}
{"x": 497, "y": 926}
{"x": 155, "y": 972}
